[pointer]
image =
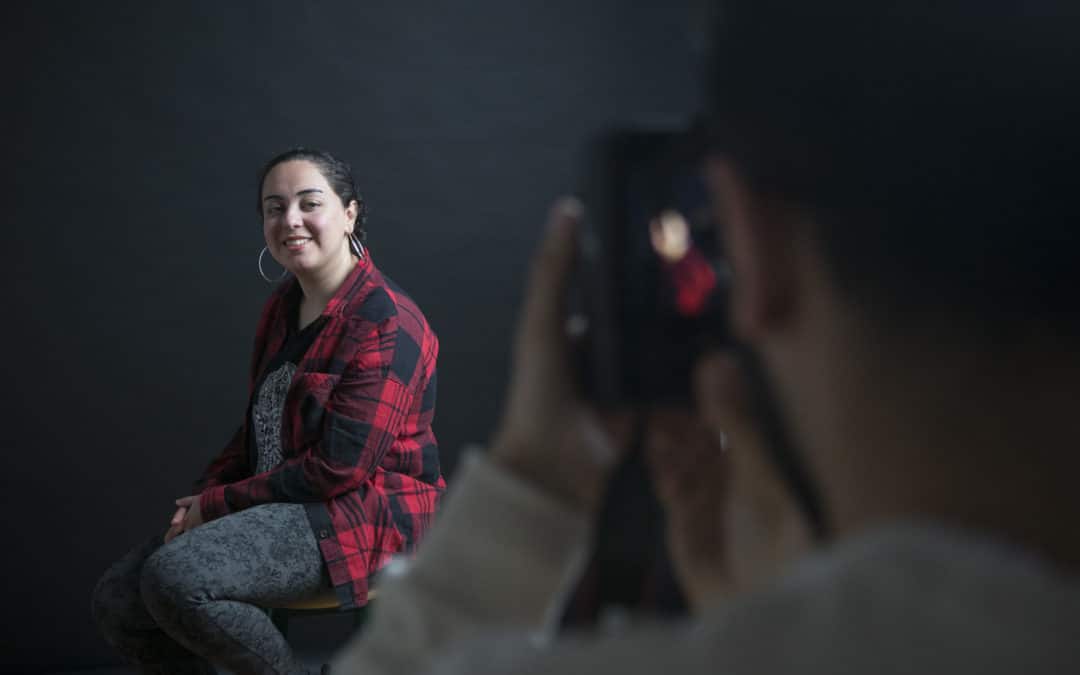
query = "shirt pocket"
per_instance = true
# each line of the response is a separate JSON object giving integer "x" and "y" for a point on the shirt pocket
{"x": 306, "y": 405}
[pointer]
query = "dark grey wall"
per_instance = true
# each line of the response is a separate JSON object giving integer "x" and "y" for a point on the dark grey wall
{"x": 131, "y": 237}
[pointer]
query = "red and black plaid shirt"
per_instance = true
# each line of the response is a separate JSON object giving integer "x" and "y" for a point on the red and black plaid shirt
{"x": 356, "y": 429}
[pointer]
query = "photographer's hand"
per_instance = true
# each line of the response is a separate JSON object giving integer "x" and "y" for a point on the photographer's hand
{"x": 548, "y": 436}
{"x": 763, "y": 527}
{"x": 690, "y": 473}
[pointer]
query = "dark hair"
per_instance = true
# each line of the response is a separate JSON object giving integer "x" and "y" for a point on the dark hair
{"x": 336, "y": 172}
{"x": 932, "y": 143}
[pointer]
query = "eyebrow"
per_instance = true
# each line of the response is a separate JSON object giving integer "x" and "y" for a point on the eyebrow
{"x": 298, "y": 194}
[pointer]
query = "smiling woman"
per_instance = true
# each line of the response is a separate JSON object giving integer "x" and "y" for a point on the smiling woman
{"x": 309, "y": 223}
{"x": 334, "y": 470}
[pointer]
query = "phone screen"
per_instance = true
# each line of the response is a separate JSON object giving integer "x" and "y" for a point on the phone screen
{"x": 652, "y": 266}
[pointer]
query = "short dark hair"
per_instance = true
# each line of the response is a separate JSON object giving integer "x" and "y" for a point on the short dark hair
{"x": 932, "y": 142}
{"x": 336, "y": 172}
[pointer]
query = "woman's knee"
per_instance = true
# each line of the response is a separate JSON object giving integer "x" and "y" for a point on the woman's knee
{"x": 108, "y": 599}
{"x": 169, "y": 581}
{"x": 115, "y": 601}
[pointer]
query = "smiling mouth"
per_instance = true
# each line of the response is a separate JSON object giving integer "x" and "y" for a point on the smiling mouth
{"x": 296, "y": 243}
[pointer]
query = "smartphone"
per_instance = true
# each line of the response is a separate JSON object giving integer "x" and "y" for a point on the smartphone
{"x": 652, "y": 281}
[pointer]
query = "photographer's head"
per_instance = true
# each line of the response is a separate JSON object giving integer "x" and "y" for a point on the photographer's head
{"x": 895, "y": 183}
{"x": 930, "y": 144}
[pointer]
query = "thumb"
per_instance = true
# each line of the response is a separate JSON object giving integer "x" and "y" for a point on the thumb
{"x": 550, "y": 274}
{"x": 178, "y": 517}
{"x": 185, "y": 501}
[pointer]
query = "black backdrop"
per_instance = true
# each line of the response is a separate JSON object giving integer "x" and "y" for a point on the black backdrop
{"x": 131, "y": 236}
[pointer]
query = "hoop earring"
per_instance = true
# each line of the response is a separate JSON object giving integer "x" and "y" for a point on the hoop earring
{"x": 356, "y": 246}
{"x": 263, "y": 274}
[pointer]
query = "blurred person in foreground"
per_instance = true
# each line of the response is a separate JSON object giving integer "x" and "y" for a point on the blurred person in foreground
{"x": 898, "y": 190}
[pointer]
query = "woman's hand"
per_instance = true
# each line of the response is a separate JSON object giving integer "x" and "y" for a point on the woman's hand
{"x": 176, "y": 525}
{"x": 193, "y": 517}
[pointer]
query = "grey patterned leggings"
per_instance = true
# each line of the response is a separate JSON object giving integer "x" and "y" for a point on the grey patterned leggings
{"x": 172, "y": 608}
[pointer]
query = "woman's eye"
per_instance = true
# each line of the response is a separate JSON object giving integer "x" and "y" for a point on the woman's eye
{"x": 311, "y": 205}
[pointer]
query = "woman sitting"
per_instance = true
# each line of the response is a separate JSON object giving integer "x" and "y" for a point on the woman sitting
{"x": 334, "y": 470}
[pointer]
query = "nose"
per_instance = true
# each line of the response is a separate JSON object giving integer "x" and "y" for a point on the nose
{"x": 293, "y": 217}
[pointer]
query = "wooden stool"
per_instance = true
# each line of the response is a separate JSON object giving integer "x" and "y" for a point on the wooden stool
{"x": 325, "y": 603}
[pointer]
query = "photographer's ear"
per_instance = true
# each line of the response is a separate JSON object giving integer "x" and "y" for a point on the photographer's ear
{"x": 756, "y": 232}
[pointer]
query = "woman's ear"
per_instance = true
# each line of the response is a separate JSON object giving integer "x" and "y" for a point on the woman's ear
{"x": 757, "y": 233}
{"x": 351, "y": 212}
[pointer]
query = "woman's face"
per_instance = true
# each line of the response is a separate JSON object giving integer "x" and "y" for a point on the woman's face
{"x": 304, "y": 222}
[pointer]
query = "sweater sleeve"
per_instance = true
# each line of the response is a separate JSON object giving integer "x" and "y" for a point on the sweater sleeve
{"x": 501, "y": 556}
